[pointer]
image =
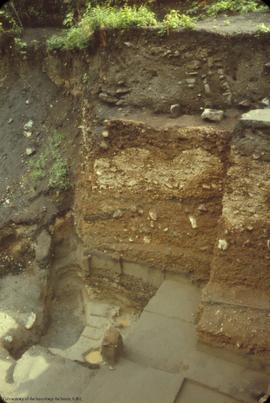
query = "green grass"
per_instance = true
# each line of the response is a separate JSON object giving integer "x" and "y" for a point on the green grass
{"x": 175, "y": 20}
{"x": 262, "y": 28}
{"x": 233, "y": 6}
{"x": 50, "y": 165}
{"x": 101, "y": 17}
{"x": 95, "y": 18}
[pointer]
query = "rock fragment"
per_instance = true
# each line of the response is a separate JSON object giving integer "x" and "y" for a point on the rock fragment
{"x": 30, "y": 321}
{"x": 193, "y": 222}
{"x": 153, "y": 215}
{"x": 222, "y": 244}
{"x": 28, "y": 125}
{"x": 213, "y": 115}
{"x": 30, "y": 151}
{"x": 175, "y": 110}
{"x": 112, "y": 346}
{"x": 94, "y": 358}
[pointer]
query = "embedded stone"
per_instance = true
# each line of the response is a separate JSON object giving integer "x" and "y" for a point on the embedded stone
{"x": 213, "y": 115}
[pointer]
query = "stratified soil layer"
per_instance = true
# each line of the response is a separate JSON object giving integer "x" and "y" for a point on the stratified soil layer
{"x": 154, "y": 197}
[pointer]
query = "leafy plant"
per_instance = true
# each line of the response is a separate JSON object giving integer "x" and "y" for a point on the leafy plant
{"x": 262, "y": 28}
{"x": 37, "y": 168}
{"x": 240, "y": 6}
{"x": 57, "y": 172}
{"x": 100, "y": 17}
{"x": 7, "y": 20}
{"x": 59, "y": 175}
{"x": 174, "y": 20}
{"x": 20, "y": 44}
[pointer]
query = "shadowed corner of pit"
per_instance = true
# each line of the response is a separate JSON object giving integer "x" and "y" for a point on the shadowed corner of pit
{"x": 266, "y": 2}
{"x": 2, "y": 2}
{"x": 2, "y": 400}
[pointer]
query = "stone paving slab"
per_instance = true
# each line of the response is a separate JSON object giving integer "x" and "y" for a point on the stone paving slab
{"x": 171, "y": 344}
{"x": 192, "y": 392}
{"x": 78, "y": 350}
{"x": 160, "y": 342}
{"x": 132, "y": 383}
{"x": 41, "y": 374}
{"x": 175, "y": 300}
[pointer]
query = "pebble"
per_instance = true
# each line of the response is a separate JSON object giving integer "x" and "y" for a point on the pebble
{"x": 202, "y": 207}
{"x": 30, "y": 321}
{"x": 8, "y": 338}
{"x": 118, "y": 213}
{"x": 191, "y": 81}
{"x": 153, "y": 215}
{"x": 105, "y": 133}
{"x": 103, "y": 145}
{"x": 28, "y": 125}
{"x": 10, "y": 121}
{"x": 175, "y": 110}
{"x": 30, "y": 151}
{"x": 193, "y": 222}
{"x": 146, "y": 239}
{"x": 27, "y": 134}
{"x": 213, "y": 115}
{"x": 222, "y": 244}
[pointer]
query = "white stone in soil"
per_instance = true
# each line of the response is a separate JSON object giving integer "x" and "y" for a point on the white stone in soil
{"x": 30, "y": 321}
{"x": 222, "y": 244}
{"x": 7, "y": 323}
{"x": 193, "y": 222}
{"x": 30, "y": 151}
{"x": 28, "y": 125}
{"x": 213, "y": 115}
{"x": 8, "y": 338}
{"x": 153, "y": 215}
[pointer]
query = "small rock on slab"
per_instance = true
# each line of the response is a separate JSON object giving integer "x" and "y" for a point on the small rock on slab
{"x": 94, "y": 358}
{"x": 213, "y": 115}
{"x": 112, "y": 345}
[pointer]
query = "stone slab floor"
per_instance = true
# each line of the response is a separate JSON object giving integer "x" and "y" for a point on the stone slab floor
{"x": 163, "y": 363}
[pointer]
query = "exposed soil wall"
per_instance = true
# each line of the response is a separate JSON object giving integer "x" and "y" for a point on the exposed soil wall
{"x": 144, "y": 70}
{"x": 137, "y": 199}
{"x": 146, "y": 191}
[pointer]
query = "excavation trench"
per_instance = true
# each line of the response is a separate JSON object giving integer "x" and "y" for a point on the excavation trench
{"x": 152, "y": 194}
{"x": 173, "y": 169}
